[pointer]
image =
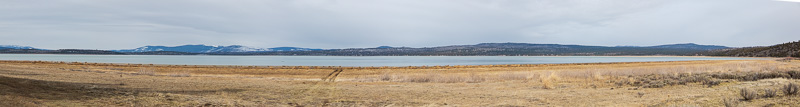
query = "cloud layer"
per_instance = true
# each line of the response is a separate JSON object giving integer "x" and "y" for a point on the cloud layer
{"x": 108, "y": 24}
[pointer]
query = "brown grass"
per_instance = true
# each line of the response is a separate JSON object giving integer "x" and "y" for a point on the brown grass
{"x": 439, "y": 78}
{"x": 688, "y": 83}
{"x": 181, "y": 74}
{"x": 146, "y": 71}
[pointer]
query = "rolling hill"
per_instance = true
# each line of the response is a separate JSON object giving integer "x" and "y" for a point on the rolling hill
{"x": 791, "y": 49}
{"x": 483, "y": 49}
{"x": 503, "y": 49}
{"x": 211, "y": 49}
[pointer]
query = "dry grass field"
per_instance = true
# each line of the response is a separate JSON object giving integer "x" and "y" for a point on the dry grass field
{"x": 677, "y": 83}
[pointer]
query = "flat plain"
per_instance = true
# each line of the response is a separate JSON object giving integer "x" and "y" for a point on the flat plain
{"x": 672, "y": 83}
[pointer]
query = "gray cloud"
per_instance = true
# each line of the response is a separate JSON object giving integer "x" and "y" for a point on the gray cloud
{"x": 105, "y": 24}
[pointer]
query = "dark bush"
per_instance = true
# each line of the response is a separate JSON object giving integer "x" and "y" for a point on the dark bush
{"x": 726, "y": 76}
{"x": 655, "y": 84}
{"x": 748, "y": 94}
{"x": 794, "y": 74}
{"x": 790, "y": 89}
{"x": 755, "y": 76}
{"x": 769, "y": 93}
{"x": 764, "y": 75}
{"x": 699, "y": 78}
{"x": 711, "y": 83}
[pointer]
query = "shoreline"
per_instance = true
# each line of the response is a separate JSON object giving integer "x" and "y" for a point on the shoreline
{"x": 348, "y": 67}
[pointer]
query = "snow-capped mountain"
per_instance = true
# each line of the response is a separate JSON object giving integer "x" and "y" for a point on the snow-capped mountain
{"x": 15, "y": 47}
{"x": 211, "y": 49}
{"x": 292, "y": 49}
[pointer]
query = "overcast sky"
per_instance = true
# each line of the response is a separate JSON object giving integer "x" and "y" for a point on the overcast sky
{"x": 125, "y": 24}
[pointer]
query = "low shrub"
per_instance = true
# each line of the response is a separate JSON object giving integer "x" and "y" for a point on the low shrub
{"x": 765, "y": 75}
{"x": 654, "y": 84}
{"x": 794, "y": 74}
{"x": 726, "y": 76}
{"x": 693, "y": 79}
{"x": 711, "y": 83}
{"x": 769, "y": 93}
{"x": 424, "y": 78}
{"x": 748, "y": 94}
{"x": 640, "y": 94}
{"x": 755, "y": 76}
{"x": 386, "y": 77}
{"x": 436, "y": 78}
{"x": 790, "y": 89}
{"x": 730, "y": 102}
{"x": 626, "y": 81}
{"x": 662, "y": 80}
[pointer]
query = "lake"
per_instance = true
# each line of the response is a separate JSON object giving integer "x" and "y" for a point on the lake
{"x": 346, "y": 60}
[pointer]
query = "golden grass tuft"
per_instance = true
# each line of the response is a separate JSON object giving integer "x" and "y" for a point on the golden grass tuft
{"x": 525, "y": 76}
{"x": 549, "y": 81}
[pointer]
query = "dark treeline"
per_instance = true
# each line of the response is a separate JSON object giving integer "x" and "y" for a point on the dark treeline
{"x": 483, "y": 52}
{"x": 497, "y": 49}
{"x": 791, "y": 49}
{"x": 60, "y": 51}
{"x": 86, "y": 51}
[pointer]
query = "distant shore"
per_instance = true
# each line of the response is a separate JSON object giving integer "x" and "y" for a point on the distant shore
{"x": 368, "y": 67}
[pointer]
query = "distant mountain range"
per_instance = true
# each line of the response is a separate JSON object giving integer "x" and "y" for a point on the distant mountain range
{"x": 211, "y": 49}
{"x": 15, "y": 47}
{"x": 505, "y": 49}
{"x": 491, "y": 49}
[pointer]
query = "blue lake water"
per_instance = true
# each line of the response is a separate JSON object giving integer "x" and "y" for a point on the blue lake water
{"x": 345, "y": 60}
